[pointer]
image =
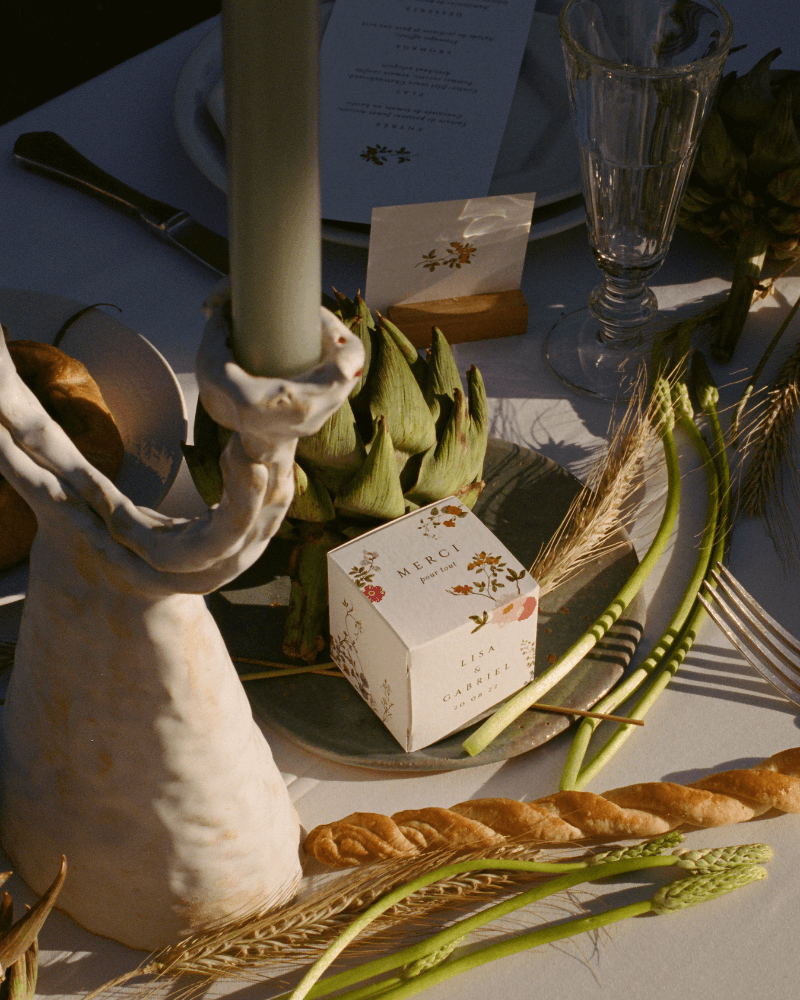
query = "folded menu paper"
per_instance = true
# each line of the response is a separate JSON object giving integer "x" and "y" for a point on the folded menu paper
{"x": 445, "y": 250}
{"x": 414, "y": 99}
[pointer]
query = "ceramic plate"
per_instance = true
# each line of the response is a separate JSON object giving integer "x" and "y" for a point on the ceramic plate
{"x": 538, "y": 152}
{"x": 137, "y": 383}
{"x": 524, "y": 501}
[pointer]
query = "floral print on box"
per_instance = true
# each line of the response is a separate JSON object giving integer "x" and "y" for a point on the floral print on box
{"x": 344, "y": 653}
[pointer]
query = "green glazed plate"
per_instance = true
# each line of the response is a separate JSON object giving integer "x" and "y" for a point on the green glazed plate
{"x": 525, "y": 498}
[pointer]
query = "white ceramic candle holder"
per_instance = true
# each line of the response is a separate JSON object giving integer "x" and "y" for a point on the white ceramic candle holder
{"x": 129, "y": 744}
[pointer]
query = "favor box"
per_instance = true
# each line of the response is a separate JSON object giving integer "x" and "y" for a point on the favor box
{"x": 433, "y": 621}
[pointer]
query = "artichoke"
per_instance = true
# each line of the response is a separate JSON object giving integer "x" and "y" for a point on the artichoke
{"x": 406, "y": 437}
{"x": 744, "y": 190}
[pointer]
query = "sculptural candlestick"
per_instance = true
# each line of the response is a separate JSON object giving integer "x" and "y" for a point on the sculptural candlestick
{"x": 128, "y": 741}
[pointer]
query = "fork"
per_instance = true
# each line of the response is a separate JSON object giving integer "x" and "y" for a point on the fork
{"x": 774, "y": 652}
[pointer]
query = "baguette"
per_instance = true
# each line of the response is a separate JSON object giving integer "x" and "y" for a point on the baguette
{"x": 642, "y": 810}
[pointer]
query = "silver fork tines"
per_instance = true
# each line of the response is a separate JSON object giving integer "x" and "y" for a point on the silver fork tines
{"x": 773, "y": 651}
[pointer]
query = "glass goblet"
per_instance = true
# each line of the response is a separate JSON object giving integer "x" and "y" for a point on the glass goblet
{"x": 641, "y": 76}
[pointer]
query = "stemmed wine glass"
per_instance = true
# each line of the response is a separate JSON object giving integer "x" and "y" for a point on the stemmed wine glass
{"x": 642, "y": 76}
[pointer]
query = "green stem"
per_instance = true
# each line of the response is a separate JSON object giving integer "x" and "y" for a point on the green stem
{"x": 709, "y": 398}
{"x": 575, "y": 776}
{"x": 674, "y": 896}
{"x": 750, "y": 256}
{"x": 581, "y": 872}
{"x": 511, "y": 946}
{"x": 750, "y": 387}
{"x": 534, "y": 691}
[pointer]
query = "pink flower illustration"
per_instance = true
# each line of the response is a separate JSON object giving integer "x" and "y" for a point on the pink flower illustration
{"x": 516, "y": 611}
{"x": 374, "y": 592}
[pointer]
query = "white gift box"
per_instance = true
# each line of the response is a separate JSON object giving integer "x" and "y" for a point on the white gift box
{"x": 433, "y": 621}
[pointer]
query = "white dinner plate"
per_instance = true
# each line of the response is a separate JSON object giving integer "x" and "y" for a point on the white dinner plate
{"x": 538, "y": 153}
{"x": 137, "y": 383}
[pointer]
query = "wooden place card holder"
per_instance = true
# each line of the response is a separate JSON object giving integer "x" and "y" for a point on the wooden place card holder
{"x": 469, "y": 317}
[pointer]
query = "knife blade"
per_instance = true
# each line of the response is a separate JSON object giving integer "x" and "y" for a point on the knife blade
{"x": 47, "y": 153}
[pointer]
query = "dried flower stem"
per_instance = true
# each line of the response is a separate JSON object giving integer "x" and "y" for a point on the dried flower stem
{"x": 751, "y": 384}
{"x": 769, "y": 445}
{"x": 254, "y": 945}
{"x": 596, "y": 513}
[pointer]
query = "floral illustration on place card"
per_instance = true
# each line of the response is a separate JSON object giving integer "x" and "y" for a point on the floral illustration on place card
{"x": 455, "y": 255}
{"x": 447, "y": 250}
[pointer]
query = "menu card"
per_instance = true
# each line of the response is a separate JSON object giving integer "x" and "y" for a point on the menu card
{"x": 414, "y": 100}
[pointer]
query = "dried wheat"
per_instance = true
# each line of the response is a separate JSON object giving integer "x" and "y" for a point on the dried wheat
{"x": 769, "y": 443}
{"x": 604, "y": 504}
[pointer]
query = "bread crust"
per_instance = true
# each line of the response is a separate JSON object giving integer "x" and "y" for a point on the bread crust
{"x": 642, "y": 810}
{"x": 73, "y": 399}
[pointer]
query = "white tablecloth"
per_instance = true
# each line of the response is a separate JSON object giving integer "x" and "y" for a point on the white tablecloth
{"x": 716, "y": 714}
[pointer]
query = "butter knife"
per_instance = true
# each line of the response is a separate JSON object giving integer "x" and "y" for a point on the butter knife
{"x": 47, "y": 153}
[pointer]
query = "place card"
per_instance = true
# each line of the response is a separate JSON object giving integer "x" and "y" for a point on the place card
{"x": 447, "y": 260}
{"x": 414, "y": 99}
{"x": 433, "y": 621}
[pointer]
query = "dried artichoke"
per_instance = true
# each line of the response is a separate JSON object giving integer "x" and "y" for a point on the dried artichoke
{"x": 744, "y": 190}
{"x": 407, "y": 436}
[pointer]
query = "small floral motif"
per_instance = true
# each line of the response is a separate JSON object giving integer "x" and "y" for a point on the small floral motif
{"x": 517, "y": 611}
{"x": 379, "y": 155}
{"x": 435, "y": 519}
{"x": 453, "y": 257}
{"x": 528, "y": 649}
{"x": 374, "y": 592}
{"x": 366, "y": 569}
{"x": 344, "y": 653}
{"x": 488, "y": 581}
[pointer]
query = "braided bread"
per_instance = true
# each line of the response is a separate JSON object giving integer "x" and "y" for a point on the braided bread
{"x": 642, "y": 810}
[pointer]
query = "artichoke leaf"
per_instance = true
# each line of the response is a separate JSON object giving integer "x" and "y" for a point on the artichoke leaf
{"x": 395, "y": 395}
{"x": 375, "y": 490}
{"x": 719, "y": 159}
{"x": 336, "y": 451}
{"x": 457, "y": 460}
{"x": 356, "y": 316}
{"x": 785, "y": 187}
{"x": 776, "y": 146}
{"x": 443, "y": 379}
{"x": 748, "y": 100}
{"x": 311, "y": 501}
{"x": 418, "y": 367}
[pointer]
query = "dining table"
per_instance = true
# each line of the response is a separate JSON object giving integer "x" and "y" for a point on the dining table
{"x": 717, "y": 713}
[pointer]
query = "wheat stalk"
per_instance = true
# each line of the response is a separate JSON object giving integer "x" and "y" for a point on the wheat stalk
{"x": 769, "y": 444}
{"x": 260, "y": 945}
{"x": 603, "y": 504}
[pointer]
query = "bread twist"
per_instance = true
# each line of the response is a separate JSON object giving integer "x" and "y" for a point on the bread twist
{"x": 642, "y": 810}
